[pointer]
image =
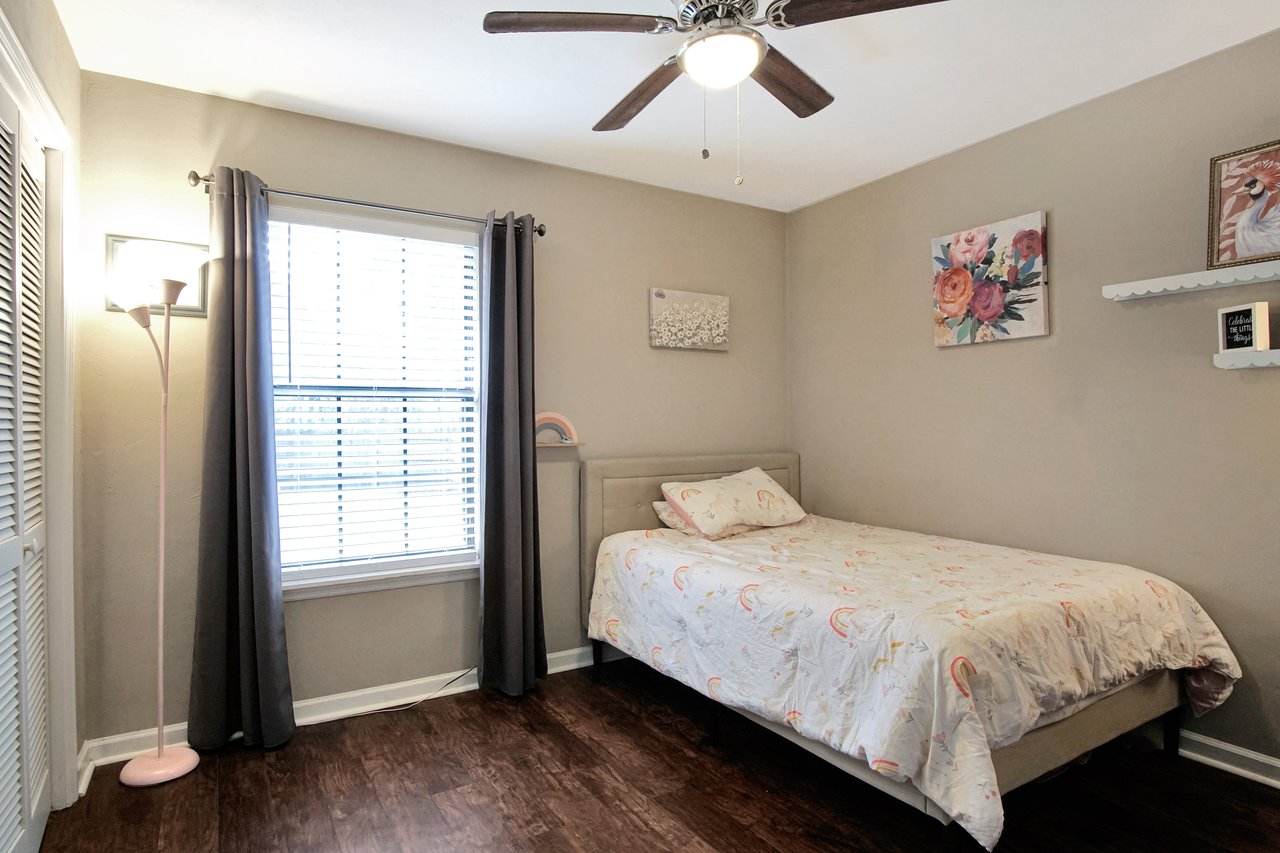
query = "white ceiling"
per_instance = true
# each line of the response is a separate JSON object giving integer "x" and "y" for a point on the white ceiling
{"x": 909, "y": 85}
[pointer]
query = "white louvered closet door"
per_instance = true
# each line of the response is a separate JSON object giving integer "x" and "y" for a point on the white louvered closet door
{"x": 24, "y": 668}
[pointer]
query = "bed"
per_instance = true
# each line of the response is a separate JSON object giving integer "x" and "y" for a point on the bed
{"x": 799, "y": 608}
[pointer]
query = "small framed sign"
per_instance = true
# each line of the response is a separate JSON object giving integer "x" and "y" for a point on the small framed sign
{"x": 1244, "y": 327}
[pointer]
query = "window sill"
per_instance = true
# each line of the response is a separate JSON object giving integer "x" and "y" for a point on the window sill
{"x": 301, "y": 589}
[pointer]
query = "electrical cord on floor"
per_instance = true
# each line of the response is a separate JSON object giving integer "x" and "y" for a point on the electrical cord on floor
{"x": 417, "y": 702}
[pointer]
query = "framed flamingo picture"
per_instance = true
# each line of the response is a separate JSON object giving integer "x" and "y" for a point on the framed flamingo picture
{"x": 1244, "y": 206}
{"x": 989, "y": 283}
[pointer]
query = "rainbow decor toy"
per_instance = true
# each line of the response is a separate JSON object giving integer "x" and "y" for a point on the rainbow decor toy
{"x": 557, "y": 423}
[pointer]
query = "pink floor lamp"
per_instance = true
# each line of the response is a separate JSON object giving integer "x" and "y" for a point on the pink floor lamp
{"x": 164, "y": 763}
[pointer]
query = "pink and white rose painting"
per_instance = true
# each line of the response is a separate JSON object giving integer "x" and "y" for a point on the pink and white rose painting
{"x": 989, "y": 283}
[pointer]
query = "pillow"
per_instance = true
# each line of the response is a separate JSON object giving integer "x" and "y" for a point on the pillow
{"x": 751, "y": 497}
{"x": 672, "y": 519}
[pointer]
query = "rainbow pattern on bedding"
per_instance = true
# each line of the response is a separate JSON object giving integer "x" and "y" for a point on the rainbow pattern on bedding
{"x": 917, "y": 654}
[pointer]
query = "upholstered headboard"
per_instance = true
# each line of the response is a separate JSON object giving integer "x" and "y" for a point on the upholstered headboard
{"x": 618, "y": 494}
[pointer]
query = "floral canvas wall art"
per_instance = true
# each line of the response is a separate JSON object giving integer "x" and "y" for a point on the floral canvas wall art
{"x": 679, "y": 319}
{"x": 989, "y": 283}
{"x": 1244, "y": 213}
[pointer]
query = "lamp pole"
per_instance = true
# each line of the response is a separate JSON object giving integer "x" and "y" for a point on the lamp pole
{"x": 164, "y": 764}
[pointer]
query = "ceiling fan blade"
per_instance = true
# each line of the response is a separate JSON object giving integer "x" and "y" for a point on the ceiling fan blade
{"x": 576, "y": 22}
{"x": 641, "y": 96}
{"x": 785, "y": 14}
{"x": 783, "y": 79}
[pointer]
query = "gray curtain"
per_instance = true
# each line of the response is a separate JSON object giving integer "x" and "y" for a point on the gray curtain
{"x": 240, "y": 667}
{"x": 513, "y": 648}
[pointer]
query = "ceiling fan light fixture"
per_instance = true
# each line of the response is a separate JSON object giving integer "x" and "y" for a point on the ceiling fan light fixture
{"x": 722, "y": 57}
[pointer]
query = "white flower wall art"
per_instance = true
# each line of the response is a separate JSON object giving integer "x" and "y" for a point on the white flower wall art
{"x": 679, "y": 319}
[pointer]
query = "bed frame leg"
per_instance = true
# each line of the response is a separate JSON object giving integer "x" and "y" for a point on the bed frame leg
{"x": 959, "y": 841}
{"x": 597, "y": 655}
{"x": 713, "y": 722}
{"x": 1172, "y": 724}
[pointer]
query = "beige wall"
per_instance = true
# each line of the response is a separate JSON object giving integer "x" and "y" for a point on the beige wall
{"x": 39, "y": 28}
{"x": 1114, "y": 438}
{"x": 609, "y": 241}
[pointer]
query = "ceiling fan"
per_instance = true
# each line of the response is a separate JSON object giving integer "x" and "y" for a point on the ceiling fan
{"x": 722, "y": 49}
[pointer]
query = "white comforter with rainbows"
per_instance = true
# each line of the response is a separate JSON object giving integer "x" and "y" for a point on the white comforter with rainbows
{"x": 915, "y": 653}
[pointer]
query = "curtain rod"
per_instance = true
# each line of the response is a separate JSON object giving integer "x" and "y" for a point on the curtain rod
{"x": 196, "y": 179}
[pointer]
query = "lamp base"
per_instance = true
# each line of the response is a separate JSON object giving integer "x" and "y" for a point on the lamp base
{"x": 148, "y": 769}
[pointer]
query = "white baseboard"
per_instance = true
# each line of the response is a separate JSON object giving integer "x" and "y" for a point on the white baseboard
{"x": 84, "y": 769}
{"x": 308, "y": 712}
{"x": 1231, "y": 758}
{"x": 322, "y": 709}
{"x": 109, "y": 750}
{"x": 569, "y": 659}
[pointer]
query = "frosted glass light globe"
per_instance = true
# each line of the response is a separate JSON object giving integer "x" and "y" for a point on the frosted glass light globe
{"x": 721, "y": 58}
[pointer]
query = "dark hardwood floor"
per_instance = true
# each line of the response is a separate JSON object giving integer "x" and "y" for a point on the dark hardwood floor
{"x": 623, "y": 763}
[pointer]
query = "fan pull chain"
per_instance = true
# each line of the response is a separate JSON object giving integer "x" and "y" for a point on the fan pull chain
{"x": 705, "y": 152}
{"x": 737, "y": 97}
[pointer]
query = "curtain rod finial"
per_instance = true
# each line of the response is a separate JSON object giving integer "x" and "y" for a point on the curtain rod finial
{"x": 195, "y": 179}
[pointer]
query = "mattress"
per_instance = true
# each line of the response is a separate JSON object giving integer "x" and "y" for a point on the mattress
{"x": 916, "y": 654}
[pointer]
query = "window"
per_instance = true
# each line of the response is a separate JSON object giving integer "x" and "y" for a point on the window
{"x": 376, "y": 359}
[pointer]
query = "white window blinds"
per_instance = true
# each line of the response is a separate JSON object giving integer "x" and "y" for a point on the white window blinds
{"x": 376, "y": 361}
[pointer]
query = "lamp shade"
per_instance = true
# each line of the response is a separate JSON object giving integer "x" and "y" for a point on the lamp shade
{"x": 128, "y": 291}
{"x": 145, "y": 272}
{"x": 721, "y": 58}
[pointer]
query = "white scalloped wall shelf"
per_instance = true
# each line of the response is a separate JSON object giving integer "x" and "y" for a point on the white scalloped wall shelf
{"x": 1249, "y": 358}
{"x": 1226, "y": 277}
